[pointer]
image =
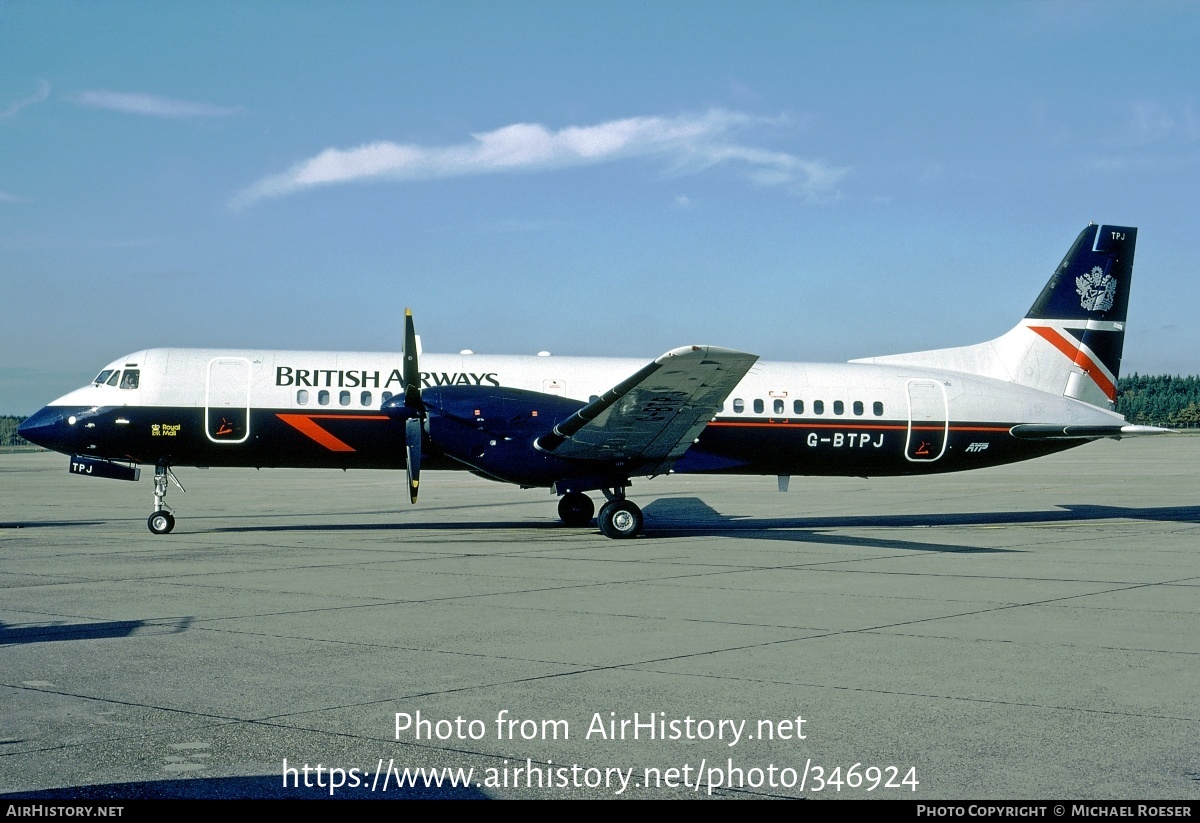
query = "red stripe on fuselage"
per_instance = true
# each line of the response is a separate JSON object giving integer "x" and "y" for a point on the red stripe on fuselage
{"x": 843, "y": 426}
{"x": 1076, "y": 355}
{"x": 304, "y": 424}
{"x": 772, "y": 424}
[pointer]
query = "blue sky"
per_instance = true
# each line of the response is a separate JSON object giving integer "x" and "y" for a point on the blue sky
{"x": 805, "y": 181}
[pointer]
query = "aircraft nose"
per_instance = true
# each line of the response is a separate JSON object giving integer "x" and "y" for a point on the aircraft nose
{"x": 49, "y": 428}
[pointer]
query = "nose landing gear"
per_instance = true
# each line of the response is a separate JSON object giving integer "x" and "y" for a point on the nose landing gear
{"x": 161, "y": 521}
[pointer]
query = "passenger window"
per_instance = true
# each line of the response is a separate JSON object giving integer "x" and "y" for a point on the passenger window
{"x": 877, "y": 408}
{"x": 130, "y": 380}
{"x": 387, "y": 395}
{"x": 758, "y": 406}
{"x": 779, "y": 407}
{"x": 366, "y": 398}
{"x": 858, "y": 407}
{"x": 738, "y": 406}
{"x": 323, "y": 397}
{"x": 798, "y": 406}
{"x": 818, "y": 407}
{"x": 839, "y": 407}
{"x": 115, "y": 378}
{"x": 344, "y": 398}
{"x": 302, "y": 397}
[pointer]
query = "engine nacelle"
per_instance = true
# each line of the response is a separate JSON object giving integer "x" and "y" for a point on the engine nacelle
{"x": 493, "y": 430}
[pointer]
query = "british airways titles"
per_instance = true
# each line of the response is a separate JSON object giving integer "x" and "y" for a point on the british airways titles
{"x": 350, "y": 379}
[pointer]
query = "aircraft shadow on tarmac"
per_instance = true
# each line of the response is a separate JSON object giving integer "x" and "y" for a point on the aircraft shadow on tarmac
{"x": 678, "y": 517}
{"x": 696, "y": 514}
{"x": 18, "y": 635}
{"x": 45, "y": 524}
{"x": 258, "y": 787}
{"x": 692, "y": 516}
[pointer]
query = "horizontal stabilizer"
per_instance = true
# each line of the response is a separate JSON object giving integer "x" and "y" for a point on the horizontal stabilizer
{"x": 1037, "y": 431}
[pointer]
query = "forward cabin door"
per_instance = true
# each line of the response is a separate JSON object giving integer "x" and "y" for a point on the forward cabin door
{"x": 928, "y": 422}
{"x": 227, "y": 400}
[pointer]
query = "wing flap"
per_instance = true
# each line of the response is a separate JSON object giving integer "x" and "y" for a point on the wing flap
{"x": 653, "y": 416}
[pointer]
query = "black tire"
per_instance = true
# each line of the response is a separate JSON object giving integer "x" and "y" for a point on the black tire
{"x": 620, "y": 519}
{"x": 576, "y": 509}
{"x": 161, "y": 522}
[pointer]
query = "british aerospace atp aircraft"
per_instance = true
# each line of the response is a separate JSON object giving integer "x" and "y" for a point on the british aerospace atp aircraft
{"x": 582, "y": 424}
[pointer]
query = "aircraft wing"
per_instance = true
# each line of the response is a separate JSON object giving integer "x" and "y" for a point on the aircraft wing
{"x": 654, "y": 415}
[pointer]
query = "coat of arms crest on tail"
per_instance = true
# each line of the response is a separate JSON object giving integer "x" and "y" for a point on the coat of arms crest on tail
{"x": 1096, "y": 289}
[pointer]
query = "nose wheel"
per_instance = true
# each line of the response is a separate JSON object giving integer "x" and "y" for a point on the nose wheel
{"x": 161, "y": 522}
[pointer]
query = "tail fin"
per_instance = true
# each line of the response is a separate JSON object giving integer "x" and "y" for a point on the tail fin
{"x": 1082, "y": 310}
{"x": 1070, "y": 341}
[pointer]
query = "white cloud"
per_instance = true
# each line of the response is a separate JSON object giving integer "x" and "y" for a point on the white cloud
{"x": 151, "y": 105}
{"x": 42, "y": 92}
{"x": 5, "y": 197}
{"x": 689, "y": 143}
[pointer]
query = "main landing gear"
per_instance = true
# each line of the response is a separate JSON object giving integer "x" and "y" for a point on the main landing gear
{"x": 618, "y": 518}
{"x": 576, "y": 509}
{"x": 161, "y": 521}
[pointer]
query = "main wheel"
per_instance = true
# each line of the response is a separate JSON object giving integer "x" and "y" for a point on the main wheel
{"x": 161, "y": 522}
{"x": 619, "y": 519}
{"x": 576, "y": 509}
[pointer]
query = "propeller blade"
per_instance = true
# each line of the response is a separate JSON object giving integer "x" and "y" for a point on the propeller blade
{"x": 412, "y": 372}
{"x": 411, "y": 409}
{"x": 412, "y": 455}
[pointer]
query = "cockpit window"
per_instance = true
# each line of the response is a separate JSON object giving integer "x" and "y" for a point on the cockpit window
{"x": 131, "y": 378}
{"x": 102, "y": 377}
{"x": 115, "y": 378}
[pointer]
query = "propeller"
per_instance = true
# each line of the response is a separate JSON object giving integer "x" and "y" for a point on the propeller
{"x": 414, "y": 408}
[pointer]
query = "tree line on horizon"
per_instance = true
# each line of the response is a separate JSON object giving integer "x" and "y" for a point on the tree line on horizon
{"x": 1160, "y": 400}
{"x": 1144, "y": 399}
